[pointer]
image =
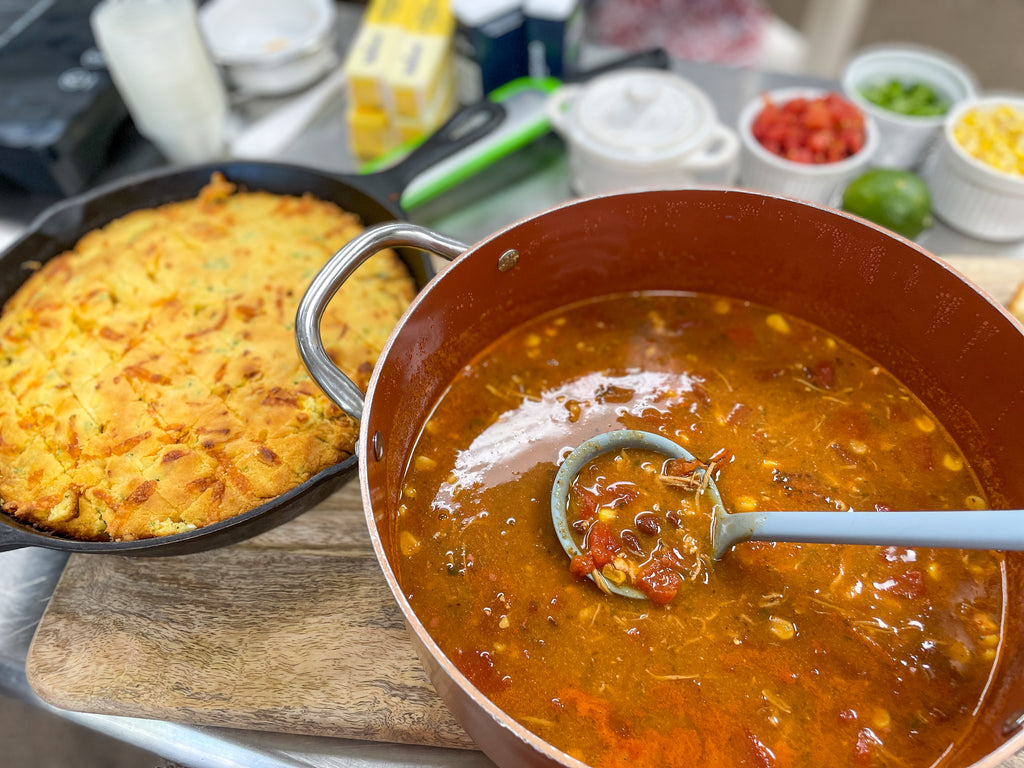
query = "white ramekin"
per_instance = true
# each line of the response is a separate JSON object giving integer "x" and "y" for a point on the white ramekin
{"x": 905, "y": 139}
{"x": 271, "y": 48}
{"x": 968, "y": 194}
{"x": 821, "y": 183}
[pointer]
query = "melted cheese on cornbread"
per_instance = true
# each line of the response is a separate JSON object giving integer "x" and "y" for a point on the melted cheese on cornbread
{"x": 149, "y": 377}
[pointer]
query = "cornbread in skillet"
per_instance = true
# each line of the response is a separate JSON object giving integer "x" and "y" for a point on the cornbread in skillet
{"x": 149, "y": 378}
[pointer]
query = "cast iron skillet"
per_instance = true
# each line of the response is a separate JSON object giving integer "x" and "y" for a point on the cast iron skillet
{"x": 373, "y": 197}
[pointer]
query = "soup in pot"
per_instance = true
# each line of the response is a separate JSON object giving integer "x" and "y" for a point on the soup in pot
{"x": 776, "y": 655}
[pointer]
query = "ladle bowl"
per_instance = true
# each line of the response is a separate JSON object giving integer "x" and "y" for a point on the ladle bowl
{"x": 996, "y": 529}
{"x": 591, "y": 449}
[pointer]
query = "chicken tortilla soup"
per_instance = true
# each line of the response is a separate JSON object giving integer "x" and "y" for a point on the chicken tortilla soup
{"x": 775, "y": 655}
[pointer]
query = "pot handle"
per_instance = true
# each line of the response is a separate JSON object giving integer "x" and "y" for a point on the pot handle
{"x": 335, "y": 384}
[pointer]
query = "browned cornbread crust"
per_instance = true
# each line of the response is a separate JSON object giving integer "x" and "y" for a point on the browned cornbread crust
{"x": 149, "y": 378}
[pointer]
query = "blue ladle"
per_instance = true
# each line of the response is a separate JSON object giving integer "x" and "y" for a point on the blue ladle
{"x": 995, "y": 529}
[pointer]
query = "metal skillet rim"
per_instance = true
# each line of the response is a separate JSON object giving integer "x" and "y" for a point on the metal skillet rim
{"x": 424, "y": 641}
{"x": 175, "y": 543}
{"x": 38, "y": 223}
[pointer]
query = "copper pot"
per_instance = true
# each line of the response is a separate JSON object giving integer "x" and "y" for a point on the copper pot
{"x": 954, "y": 346}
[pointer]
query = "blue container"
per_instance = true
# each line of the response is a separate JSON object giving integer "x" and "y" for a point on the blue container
{"x": 490, "y": 45}
{"x": 554, "y": 32}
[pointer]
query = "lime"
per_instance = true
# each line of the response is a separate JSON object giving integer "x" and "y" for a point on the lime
{"x": 896, "y": 199}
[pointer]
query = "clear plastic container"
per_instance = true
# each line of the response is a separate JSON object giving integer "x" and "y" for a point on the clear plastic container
{"x": 160, "y": 65}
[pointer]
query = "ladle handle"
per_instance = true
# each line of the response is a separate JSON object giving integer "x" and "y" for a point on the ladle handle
{"x": 1000, "y": 529}
{"x": 335, "y": 384}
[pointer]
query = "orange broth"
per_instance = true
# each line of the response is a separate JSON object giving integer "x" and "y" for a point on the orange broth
{"x": 777, "y": 655}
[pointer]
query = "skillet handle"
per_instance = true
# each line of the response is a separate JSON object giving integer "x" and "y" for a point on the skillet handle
{"x": 464, "y": 128}
{"x": 335, "y": 384}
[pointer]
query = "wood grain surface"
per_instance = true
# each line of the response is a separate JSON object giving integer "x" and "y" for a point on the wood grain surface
{"x": 294, "y": 631}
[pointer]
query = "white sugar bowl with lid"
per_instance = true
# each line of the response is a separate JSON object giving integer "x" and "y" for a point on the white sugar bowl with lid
{"x": 642, "y": 129}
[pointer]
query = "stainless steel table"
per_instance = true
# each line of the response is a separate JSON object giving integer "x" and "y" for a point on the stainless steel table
{"x": 531, "y": 180}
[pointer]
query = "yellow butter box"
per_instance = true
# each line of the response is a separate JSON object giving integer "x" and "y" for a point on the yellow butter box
{"x": 372, "y": 52}
{"x": 424, "y": 57}
{"x": 371, "y": 132}
{"x": 429, "y": 119}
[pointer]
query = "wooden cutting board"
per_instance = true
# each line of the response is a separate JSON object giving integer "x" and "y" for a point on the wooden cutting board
{"x": 293, "y": 631}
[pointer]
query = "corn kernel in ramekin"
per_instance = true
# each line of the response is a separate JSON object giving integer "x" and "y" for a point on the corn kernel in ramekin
{"x": 995, "y": 136}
